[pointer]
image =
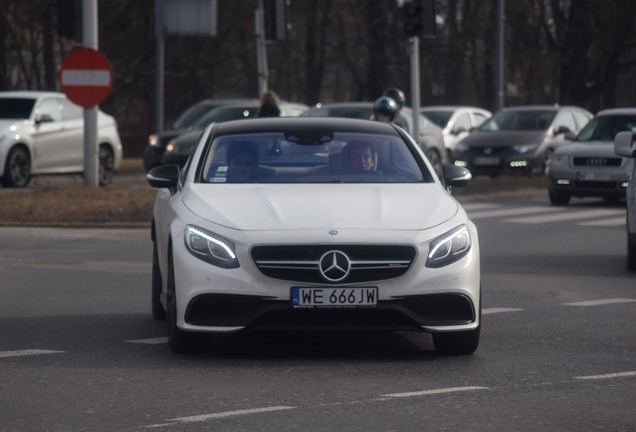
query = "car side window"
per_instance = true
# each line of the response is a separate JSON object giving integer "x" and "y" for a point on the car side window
{"x": 565, "y": 119}
{"x": 581, "y": 119}
{"x": 70, "y": 111}
{"x": 479, "y": 119}
{"x": 49, "y": 110}
{"x": 462, "y": 124}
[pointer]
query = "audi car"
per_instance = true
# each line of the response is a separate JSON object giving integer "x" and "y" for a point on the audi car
{"x": 306, "y": 223}
{"x": 588, "y": 167}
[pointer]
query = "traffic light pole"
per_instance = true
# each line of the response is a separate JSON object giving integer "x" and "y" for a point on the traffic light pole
{"x": 261, "y": 49}
{"x": 414, "y": 47}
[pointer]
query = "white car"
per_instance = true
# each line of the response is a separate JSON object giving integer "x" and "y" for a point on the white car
{"x": 624, "y": 145}
{"x": 456, "y": 121}
{"x": 43, "y": 133}
{"x": 313, "y": 223}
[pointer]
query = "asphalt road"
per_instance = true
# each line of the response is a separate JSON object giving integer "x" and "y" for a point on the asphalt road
{"x": 79, "y": 351}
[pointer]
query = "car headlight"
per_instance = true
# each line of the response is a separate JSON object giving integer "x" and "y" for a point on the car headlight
{"x": 461, "y": 147}
{"x": 449, "y": 247}
{"x": 525, "y": 148}
{"x": 558, "y": 159}
{"x": 210, "y": 247}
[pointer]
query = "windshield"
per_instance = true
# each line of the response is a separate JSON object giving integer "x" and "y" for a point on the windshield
{"x": 605, "y": 128}
{"x": 522, "y": 120}
{"x": 16, "y": 108}
{"x": 338, "y": 157}
{"x": 440, "y": 118}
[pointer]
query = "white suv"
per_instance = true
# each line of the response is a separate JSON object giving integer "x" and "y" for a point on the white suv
{"x": 624, "y": 145}
{"x": 43, "y": 133}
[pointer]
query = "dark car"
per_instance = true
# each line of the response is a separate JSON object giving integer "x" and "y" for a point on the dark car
{"x": 157, "y": 143}
{"x": 431, "y": 140}
{"x": 519, "y": 139}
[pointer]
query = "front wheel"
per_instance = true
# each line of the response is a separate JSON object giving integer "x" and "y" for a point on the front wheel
{"x": 179, "y": 341}
{"x": 558, "y": 198}
{"x": 631, "y": 254}
{"x": 106, "y": 165}
{"x": 17, "y": 171}
{"x": 457, "y": 343}
{"x": 158, "y": 312}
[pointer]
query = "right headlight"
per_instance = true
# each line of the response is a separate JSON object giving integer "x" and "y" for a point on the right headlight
{"x": 449, "y": 247}
{"x": 210, "y": 247}
{"x": 557, "y": 159}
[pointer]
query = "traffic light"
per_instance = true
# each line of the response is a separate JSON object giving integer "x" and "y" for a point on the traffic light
{"x": 66, "y": 18}
{"x": 275, "y": 12}
{"x": 419, "y": 18}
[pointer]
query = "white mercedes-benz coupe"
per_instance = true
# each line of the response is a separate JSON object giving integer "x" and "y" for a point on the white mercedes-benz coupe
{"x": 313, "y": 224}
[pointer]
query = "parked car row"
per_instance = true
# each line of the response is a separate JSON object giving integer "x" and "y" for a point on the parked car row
{"x": 43, "y": 133}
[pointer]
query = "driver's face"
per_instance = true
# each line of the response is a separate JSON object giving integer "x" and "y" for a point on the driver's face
{"x": 362, "y": 159}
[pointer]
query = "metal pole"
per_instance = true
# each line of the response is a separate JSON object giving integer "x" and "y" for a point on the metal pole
{"x": 414, "y": 44}
{"x": 500, "y": 78}
{"x": 90, "y": 40}
{"x": 261, "y": 49}
{"x": 160, "y": 68}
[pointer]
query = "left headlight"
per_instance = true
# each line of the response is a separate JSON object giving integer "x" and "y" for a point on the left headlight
{"x": 210, "y": 247}
{"x": 449, "y": 247}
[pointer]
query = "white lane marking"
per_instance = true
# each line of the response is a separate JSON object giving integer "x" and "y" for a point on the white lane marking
{"x": 151, "y": 341}
{"x": 600, "y": 302}
{"x": 619, "y": 221}
{"x": 20, "y": 353}
{"x": 204, "y": 417}
{"x": 504, "y": 212}
{"x": 607, "y": 376}
{"x": 565, "y": 216}
{"x": 499, "y": 310}
{"x": 437, "y": 391}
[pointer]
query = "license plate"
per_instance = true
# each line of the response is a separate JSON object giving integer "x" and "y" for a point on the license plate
{"x": 334, "y": 297}
{"x": 593, "y": 176}
{"x": 486, "y": 160}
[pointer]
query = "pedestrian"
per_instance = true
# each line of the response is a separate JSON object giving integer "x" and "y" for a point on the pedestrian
{"x": 384, "y": 109}
{"x": 269, "y": 105}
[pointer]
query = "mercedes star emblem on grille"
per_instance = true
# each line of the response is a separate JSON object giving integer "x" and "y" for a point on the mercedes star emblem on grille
{"x": 334, "y": 266}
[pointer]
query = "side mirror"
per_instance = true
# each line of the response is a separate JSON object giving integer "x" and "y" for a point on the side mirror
{"x": 43, "y": 118}
{"x": 566, "y": 131}
{"x": 164, "y": 176}
{"x": 624, "y": 144}
{"x": 455, "y": 175}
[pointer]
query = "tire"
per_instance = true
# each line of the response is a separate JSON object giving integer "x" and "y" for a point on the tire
{"x": 17, "y": 171}
{"x": 158, "y": 312}
{"x": 180, "y": 341}
{"x": 457, "y": 343}
{"x": 106, "y": 165}
{"x": 558, "y": 198}
{"x": 631, "y": 254}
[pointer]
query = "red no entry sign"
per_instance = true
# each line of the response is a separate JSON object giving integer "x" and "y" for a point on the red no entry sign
{"x": 86, "y": 77}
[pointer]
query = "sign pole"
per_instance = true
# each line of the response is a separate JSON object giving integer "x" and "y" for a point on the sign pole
{"x": 90, "y": 39}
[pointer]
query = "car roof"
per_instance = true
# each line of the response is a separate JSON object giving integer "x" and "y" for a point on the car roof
{"x": 274, "y": 124}
{"x": 617, "y": 111}
{"x": 343, "y": 104}
{"x": 541, "y": 108}
{"x": 450, "y": 107}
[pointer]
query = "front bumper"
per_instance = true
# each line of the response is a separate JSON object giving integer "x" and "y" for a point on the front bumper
{"x": 589, "y": 183}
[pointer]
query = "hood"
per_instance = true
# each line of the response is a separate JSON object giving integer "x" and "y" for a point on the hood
{"x": 321, "y": 206}
{"x": 5, "y": 124}
{"x": 588, "y": 148}
{"x": 503, "y": 138}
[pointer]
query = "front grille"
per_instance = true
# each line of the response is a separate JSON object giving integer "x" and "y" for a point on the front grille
{"x": 301, "y": 263}
{"x": 597, "y": 161}
{"x": 596, "y": 185}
